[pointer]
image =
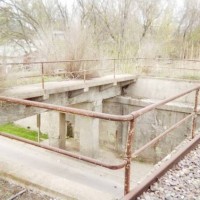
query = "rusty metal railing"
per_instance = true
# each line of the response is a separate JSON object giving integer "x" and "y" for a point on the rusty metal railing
{"x": 69, "y": 69}
{"x": 131, "y": 118}
{"x": 44, "y": 71}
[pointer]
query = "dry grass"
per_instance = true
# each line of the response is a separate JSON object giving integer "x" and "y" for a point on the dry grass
{"x": 73, "y": 44}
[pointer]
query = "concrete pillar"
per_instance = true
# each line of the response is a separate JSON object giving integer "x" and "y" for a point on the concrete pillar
{"x": 125, "y": 128}
{"x": 57, "y": 129}
{"x": 62, "y": 130}
{"x": 89, "y": 132}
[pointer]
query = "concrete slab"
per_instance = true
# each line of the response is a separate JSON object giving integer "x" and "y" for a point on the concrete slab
{"x": 35, "y": 90}
{"x": 61, "y": 176}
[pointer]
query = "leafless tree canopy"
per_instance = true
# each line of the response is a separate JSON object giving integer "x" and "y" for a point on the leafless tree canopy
{"x": 97, "y": 28}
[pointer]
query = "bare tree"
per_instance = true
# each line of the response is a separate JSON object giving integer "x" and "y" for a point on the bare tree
{"x": 149, "y": 12}
{"x": 114, "y": 28}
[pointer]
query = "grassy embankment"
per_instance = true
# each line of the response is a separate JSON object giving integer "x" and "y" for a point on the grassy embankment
{"x": 22, "y": 132}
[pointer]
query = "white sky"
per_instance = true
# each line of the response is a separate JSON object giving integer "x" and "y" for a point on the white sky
{"x": 69, "y": 3}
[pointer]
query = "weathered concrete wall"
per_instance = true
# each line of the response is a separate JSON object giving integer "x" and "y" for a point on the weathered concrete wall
{"x": 148, "y": 127}
{"x": 144, "y": 92}
{"x": 110, "y": 131}
{"x": 10, "y": 112}
{"x": 152, "y": 124}
{"x": 161, "y": 88}
{"x": 85, "y": 129}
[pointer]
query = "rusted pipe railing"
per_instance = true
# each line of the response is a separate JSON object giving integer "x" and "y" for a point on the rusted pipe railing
{"x": 172, "y": 68}
{"x": 151, "y": 107}
{"x": 165, "y": 166}
{"x": 156, "y": 139}
{"x": 128, "y": 156}
{"x": 93, "y": 60}
{"x": 130, "y": 117}
{"x": 195, "y": 113}
{"x": 63, "y": 109}
{"x": 42, "y": 70}
{"x": 105, "y": 116}
{"x": 154, "y": 106}
{"x": 63, "y": 152}
{"x": 84, "y": 74}
{"x": 100, "y": 59}
{"x": 114, "y": 70}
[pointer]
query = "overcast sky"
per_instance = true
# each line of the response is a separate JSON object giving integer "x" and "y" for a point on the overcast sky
{"x": 69, "y": 3}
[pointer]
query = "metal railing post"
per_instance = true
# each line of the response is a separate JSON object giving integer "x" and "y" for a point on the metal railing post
{"x": 42, "y": 69}
{"x": 84, "y": 74}
{"x": 194, "y": 120}
{"x": 128, "y": 156}
{"x": 114, "y": 71}
{"x": 38, "y": 126}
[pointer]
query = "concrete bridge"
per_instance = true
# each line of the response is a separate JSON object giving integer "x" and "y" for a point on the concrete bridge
{"x": 121, "y": 96}
{"x": 88, "y": 95}
{"x": 97, "y": 95}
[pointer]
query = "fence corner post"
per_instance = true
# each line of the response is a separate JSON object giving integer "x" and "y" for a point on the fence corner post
{"x": 194, "y": 120}
{"x": 128, "y": 156}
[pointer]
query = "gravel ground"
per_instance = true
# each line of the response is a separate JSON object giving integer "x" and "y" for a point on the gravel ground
{"x": 181, "y": 182}
{"x": 7, "y": 190}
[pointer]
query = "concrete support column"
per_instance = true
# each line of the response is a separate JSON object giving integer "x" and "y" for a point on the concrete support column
{"x": 89, "y": 132}
{"x": 62, "y": 130}
{"x": 57, "y": 129}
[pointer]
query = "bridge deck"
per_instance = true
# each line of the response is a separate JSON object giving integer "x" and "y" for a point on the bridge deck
{"x": 35, "y": 90}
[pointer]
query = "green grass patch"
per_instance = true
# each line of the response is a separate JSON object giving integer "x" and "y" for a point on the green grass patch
{"x": 22, "y": 132}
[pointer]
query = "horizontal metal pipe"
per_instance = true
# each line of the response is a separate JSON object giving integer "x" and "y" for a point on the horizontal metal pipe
{"x": 137, "y": 191}
{"x": 66, "y": 153}
{"x": 66, "y": 72}
{"x": 171, "y": 68}
{"x": 151, "y": 107}
{"x": 102, "y": 69}
{"x": 156, "y": 139}
{"x": 87, "y": 113}
{"x": 82, "y": 71}
{"x": 63, "y": 109}
{"x": 100, "y": 59}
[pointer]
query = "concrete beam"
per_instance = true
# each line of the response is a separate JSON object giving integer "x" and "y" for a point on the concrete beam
{"x": 94, "y": 94}
{"x": 35, "y": 90}
{"x": 75, "y": 93}
{"x": 58, "y": 92}
{"x": 10, "y": 112}
{"x": 172, "y": 106}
